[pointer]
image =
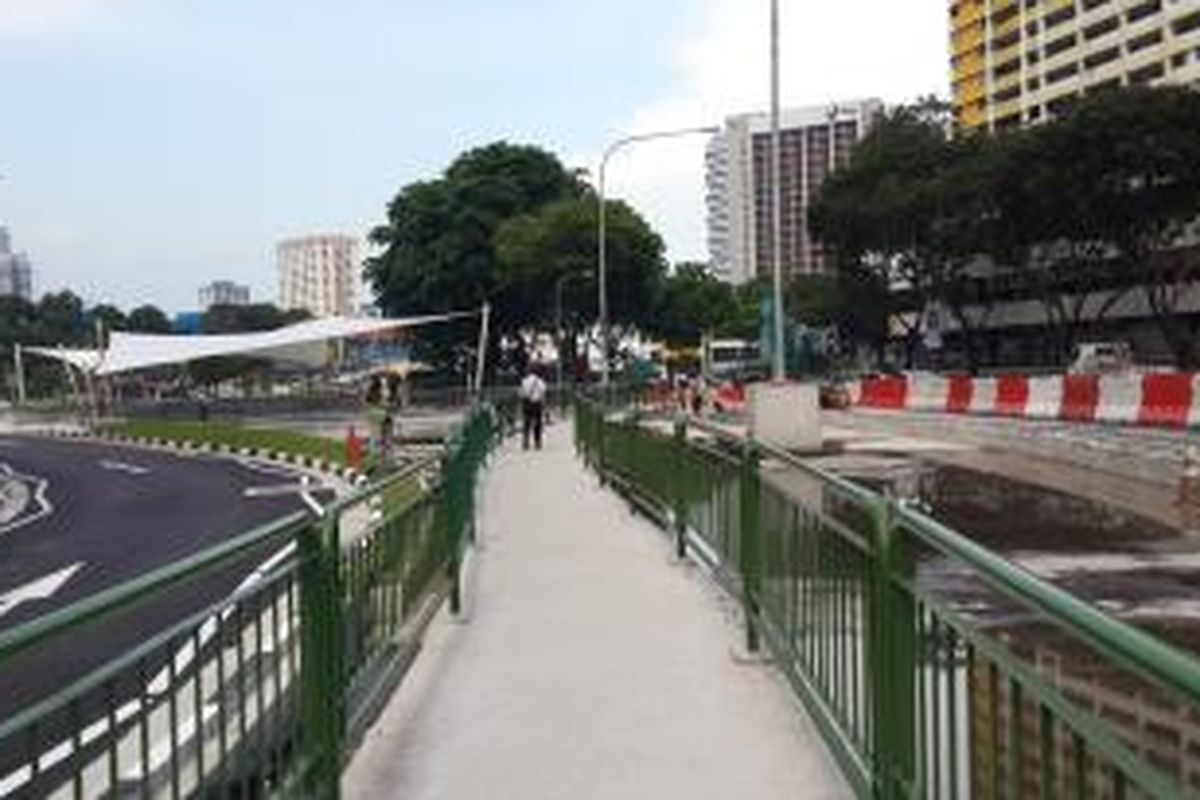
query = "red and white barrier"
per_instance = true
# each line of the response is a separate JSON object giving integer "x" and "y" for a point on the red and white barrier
{"x": 1163, "y": 399}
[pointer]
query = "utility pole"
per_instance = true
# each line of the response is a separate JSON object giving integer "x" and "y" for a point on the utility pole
{"x": 481, "y": 356}
{"x": 19, "y": 370}
{"x": 778, "y": 373}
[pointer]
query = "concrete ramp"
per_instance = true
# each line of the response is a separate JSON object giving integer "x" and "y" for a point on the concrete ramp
{"x": 589, "y": 666}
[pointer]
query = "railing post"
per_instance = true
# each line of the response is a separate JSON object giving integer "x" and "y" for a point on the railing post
{"x": 892, "y": 656}
{"x": 322, "y": 697}
{"x": 451, "y": 516}
{"x": 748, "y": 548}
{"x": 679, "y": 484}
{"x": 601, "y": 443}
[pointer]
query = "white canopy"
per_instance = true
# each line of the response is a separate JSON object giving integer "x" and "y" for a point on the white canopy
{"x": 81, "y": 359}
{"x": 304, "y": 341}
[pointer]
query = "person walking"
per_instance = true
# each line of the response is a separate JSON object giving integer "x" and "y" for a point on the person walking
{"x": 533, "y": 408}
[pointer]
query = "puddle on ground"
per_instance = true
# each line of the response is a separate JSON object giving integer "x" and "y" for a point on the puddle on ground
{"x": 1006, "y": 514}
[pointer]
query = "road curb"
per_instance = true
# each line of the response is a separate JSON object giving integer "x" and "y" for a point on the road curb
{"x": 351, "y": 476}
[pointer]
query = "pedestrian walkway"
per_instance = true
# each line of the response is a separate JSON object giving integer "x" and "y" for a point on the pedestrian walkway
{"x": 589, "y": 665}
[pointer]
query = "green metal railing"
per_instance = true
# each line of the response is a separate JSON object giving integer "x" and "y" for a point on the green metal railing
{"x": 934, "y": 667}
{"x": 264, "y": 692}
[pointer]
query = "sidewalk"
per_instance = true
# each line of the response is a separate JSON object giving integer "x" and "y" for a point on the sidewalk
{"x": 590, "y": 666}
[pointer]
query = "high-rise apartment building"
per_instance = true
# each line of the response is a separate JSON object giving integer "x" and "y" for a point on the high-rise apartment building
{"x": 1015, "y": 62}
{"x": 224, "y": 293}
{"x": 319, "y": 273}
{"x": 815, "y": 141}
{"x": 16, "y": 271}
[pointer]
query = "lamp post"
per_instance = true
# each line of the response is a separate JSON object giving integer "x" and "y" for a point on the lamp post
{"x": 558, "y": 330}
{"x": 602, "y": 245}
{"x": 777, "y": 362}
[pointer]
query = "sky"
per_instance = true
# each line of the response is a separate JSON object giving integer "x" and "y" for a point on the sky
{"x": 148, "y": 147}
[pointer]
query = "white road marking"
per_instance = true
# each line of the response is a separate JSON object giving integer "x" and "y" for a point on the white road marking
{"x": 276, "y": 491}
{"x": 121, "y": 466}
{"x": 39, "y": 589}
{"x": 45, "y": 508}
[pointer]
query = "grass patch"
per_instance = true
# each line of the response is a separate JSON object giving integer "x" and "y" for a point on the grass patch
{"x": 224, "y": 433}
{"x": 400, "y": 495}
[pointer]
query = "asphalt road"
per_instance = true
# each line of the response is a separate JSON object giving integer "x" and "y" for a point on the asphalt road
{"x": 114, "y": 513}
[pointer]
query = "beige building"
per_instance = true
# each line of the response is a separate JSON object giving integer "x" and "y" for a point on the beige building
{"x": 1016, "y": 62}
{"x": 816, "y": 140}
{"x": 319, "y": 273}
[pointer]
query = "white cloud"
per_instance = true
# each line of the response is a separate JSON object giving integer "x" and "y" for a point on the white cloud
{"x": 831, "y": 51}
{"x": 43, "y": 16}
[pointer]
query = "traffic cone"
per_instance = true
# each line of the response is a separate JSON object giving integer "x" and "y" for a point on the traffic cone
{"x": 354, "y": 453}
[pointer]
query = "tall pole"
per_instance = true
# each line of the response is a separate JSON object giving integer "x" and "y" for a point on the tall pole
{"x": 481, "y": 357}
{"x": 19, "y": 371}
{"x": 778, "y": 372}
{"x": 602, "y": 256}
{"x": 602, "y": 233}
{"x": 558, "y": 332}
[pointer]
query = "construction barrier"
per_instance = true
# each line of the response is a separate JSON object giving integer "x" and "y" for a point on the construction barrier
{"x": 1162, "y": 399}
{"x": 889, "y": 392}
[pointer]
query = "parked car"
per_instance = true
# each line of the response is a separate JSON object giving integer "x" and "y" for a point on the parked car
{"x": 834, "y": 394}
{"x": 1090, "y": 358}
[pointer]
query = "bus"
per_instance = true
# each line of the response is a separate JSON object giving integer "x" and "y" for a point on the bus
{"x": 730, "y": 358}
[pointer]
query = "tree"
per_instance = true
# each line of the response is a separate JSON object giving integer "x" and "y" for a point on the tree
{"x": 437, "y": 248}
{"x": 148, "y": 319}
{"x": 903, "y": 213}
{"x": 103, "y": 319}
{"x": 248, "y": 318}
{"x": 557, "y": 243}
{"x": 1135, "y": 160}
{"x": 60, "y": 320}
{"x": 695, "y": 303}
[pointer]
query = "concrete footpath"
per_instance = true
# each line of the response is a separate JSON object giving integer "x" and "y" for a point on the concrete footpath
{"x": 588, "y": 666}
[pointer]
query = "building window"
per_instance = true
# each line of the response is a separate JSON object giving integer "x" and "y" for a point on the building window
{"x": 1088, "y": 5}
{"x": 1147, "y": 73}
{"x": 1007, "y": 68}
{"x": 1104, "y": 26}
{"x": 1033, "y": 84}
{"x": 1145, "y": 40}
{"x": 1179, "y": 60}
{"x": 1060, "y": 16}
{"x": 1011, "y": 93}
{"x": 1111, "y": 83}
{"x": 1144, "y": 10}
{"x": 1007, "y": 40}
{"x": 1035, "y": 113}
{"x": 1102, "y": 58}
{"x": 1186, "y": 24}
{"x": 1060, "y": 45}
{"x": 1061, "y": 74}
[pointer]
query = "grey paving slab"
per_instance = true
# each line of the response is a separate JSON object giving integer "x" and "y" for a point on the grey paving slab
{"x": 589, "y": 666}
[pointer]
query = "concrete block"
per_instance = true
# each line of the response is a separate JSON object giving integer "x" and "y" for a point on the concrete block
{"x": 787, "y": 415}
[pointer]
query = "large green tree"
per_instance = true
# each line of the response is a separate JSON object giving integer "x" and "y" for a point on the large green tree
{"x": 1131, "y": 160}
{"x": 550, "y": 255}
{"x": 909, "y": 212}
{"x": 148, "y": 319}
{"x": 694, "y": 303}
{"x": 436, "y": 250}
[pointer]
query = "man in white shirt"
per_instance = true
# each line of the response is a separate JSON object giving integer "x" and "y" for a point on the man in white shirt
{"x": 533, "y": 407}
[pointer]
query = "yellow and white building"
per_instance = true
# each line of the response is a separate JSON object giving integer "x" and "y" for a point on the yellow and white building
{"x": 1016, "y": 62}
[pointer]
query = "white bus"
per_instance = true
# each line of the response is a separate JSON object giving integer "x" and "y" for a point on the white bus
{"x": 728, "y": 358}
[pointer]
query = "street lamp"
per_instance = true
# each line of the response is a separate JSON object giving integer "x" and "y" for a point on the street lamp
{"x": 558, "y": 330}
{"x": 602, "y": 245}
{"x": 777, "y": 363}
